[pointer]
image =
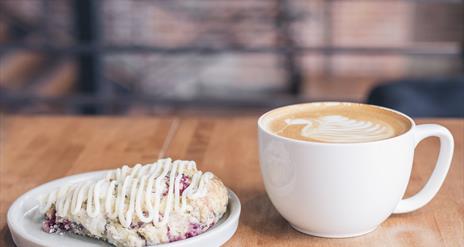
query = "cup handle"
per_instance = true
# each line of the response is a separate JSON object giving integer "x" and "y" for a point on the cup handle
{"x": 435, "y": 181}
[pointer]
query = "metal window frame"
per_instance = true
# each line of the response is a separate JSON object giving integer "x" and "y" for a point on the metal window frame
{"x": 96, "y": 94}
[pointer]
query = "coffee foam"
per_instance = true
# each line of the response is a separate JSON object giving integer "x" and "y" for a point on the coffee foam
{"x": 336, "y": 122}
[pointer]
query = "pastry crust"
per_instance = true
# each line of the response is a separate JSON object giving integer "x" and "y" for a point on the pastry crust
{"x": 189, "y": 205}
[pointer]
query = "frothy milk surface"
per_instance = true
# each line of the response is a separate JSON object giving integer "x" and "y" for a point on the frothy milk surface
{"x": 336, "y": 122}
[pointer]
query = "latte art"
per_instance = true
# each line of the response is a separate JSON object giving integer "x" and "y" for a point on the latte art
{"x": 333, "y": 122}
{"x": 337, "y": 128}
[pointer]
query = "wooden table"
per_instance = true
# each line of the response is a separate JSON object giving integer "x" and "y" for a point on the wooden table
{"x": 35, "y": 150}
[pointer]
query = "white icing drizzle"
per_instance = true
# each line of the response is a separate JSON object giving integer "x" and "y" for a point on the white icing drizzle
{"x": 336, "y": 128}
{"x": 126, "y": 192}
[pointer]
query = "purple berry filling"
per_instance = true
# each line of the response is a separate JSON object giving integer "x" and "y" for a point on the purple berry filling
{"x": 184, "y": 183}
{"x": 194, "y": 230}
{"x": 136, "y": 225}
{"x": 53, "y": 223}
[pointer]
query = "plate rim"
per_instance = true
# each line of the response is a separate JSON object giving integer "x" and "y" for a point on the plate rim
{"x": 234, "y": 207}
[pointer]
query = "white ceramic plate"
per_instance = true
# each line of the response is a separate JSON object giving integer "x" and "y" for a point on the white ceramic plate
{"x": 25, "y": 221}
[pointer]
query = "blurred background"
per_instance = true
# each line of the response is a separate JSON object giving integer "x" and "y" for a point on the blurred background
{"x": 163, "y": 57}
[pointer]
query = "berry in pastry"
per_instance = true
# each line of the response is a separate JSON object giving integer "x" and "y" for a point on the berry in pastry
{"x": 140, "y": 206}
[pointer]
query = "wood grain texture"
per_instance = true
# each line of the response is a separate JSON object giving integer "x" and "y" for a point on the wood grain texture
{"x": 34, "y": 150}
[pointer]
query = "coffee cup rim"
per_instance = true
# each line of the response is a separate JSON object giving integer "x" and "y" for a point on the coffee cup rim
{"x": 411, "y": 121}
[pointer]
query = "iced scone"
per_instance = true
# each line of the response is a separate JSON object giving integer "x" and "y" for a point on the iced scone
{"x": 140, "y": 206}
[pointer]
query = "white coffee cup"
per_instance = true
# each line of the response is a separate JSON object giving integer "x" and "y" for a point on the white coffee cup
{"x": 339, "y": 190}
